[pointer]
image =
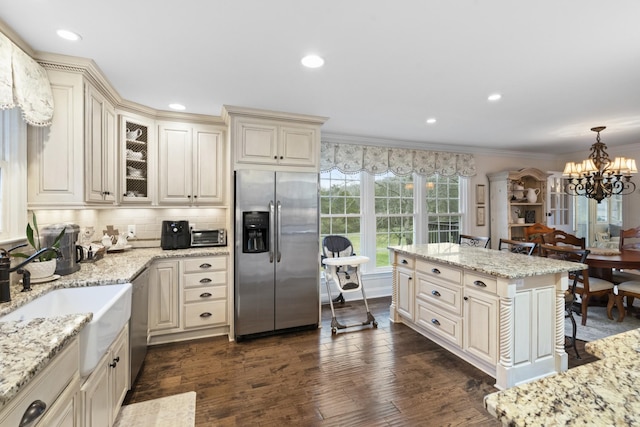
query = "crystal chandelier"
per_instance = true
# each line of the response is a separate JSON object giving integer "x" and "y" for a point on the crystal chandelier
{"x": 598, "y": 177}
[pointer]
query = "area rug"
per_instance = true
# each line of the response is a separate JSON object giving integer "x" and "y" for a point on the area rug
{"x": 172, "y": 411}
{"x": 599, "y": 326}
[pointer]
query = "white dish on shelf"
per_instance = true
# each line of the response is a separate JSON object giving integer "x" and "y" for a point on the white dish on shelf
{"x": 44, "y": 279}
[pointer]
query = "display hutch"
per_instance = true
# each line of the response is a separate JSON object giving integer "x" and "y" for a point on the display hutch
{"x": 517, "y": 200}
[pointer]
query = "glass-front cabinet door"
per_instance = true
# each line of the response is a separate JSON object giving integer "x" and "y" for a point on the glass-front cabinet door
{"x": 137, "y": 155}
{"x": 559, "y": 204}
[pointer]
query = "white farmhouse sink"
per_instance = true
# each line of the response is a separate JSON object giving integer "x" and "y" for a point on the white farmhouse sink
{"x": 111, "y": 308}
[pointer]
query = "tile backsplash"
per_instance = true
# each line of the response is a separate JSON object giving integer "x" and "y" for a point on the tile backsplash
{"x": 147, "y": 221}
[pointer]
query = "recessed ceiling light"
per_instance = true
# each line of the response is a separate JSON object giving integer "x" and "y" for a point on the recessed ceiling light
{"x": 312, "y": 61}
{"x": 431, "y": 121}
{"x": 178, "y": 107}
{"x": 68, "y": 35}
{"x": 494, "y": 97}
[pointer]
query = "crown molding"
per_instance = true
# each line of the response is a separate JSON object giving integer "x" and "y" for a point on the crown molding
{"x": 232, "y": 110}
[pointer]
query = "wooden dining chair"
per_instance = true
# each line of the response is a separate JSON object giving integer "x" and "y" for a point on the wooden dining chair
{"x": 629, "y": 239}
{"x": 476, "y": 241}
{"x": 517, "y": 246}
{"x": 534, "y": 233}
{"x": 630, "y": 290}
{"x": 586, "y": 286}
{"x": 572, "y": 254}
{"x": 562, "y": 238}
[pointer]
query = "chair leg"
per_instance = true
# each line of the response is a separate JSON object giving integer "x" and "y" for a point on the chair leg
{"x": 585, "y": 304}
{"x": 617, "y": 301}
{"x": 630, "y": 303}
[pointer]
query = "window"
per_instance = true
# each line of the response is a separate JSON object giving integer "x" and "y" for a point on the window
{"x": 592, "y": 217}
{"x": 393, "y": 201}
{"x": 375, "y": 212}
{"x": 443, "y": 209}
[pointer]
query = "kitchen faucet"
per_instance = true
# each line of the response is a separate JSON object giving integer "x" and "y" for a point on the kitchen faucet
{"x": 5, "y": 270}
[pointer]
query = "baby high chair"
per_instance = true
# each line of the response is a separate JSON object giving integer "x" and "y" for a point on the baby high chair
{"x": 342, "y": 266}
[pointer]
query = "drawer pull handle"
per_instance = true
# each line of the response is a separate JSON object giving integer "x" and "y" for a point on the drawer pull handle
{"x": 435, "y": 322}
{"x": 205, "y": 265}
{"x": 115, "y": 362}
{"x": 205, "y": 280}
{"x": 480, "y": 283}
{"x": 205, "y": 295}
{"x": 435, "y": 271}
{"x": 205, "y": 314}
{"x": 404, "y": 261}
{"x": 435, "y": 293}
{"x": 33, "y": 412}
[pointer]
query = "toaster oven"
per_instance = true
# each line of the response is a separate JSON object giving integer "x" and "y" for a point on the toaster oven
{"x": 200, "y": 238}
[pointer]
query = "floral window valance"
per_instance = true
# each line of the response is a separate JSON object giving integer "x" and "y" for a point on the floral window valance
{"x": 24, "y": 83}
{"x": 352, "y": 158}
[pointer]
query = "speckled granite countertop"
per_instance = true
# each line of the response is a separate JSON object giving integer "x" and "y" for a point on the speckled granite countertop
{"x": 602, "y": 393}
{"x": 489, "y": 261}
{"x": 27, "y": 347}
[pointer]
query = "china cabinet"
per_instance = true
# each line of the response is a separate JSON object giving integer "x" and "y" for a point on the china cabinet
{"x": 517, "y": 200}
{"x": 138, "y": 148}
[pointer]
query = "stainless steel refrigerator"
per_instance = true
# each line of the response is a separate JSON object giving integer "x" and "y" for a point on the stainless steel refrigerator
{"x": 276, "y": 252}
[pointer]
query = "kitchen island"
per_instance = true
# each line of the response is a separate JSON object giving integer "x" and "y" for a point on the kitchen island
{"x": 602, "y": 393}
{"x": 27, "y": 347}
{"x": 499, "y": 311}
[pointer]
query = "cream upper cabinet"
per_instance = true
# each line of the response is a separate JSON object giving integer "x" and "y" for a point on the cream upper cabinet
{"x": 138, "y": 160}
{"x": 272, "y": 140}
{"x": 100, "y": 148}
{"x": 55, "y": 153}
{"x": 191, "y": 167}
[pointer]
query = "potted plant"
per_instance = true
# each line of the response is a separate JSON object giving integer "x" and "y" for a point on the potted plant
{"x": 44, "y": 265}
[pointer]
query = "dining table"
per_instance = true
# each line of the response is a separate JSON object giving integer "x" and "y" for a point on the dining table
{"x": 602, "y": 261}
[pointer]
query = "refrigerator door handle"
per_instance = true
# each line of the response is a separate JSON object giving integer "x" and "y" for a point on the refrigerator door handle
{"x": 272, "y": 230}
{"x": 279, "y": 229}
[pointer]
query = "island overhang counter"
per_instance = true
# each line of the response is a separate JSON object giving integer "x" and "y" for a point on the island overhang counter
{"x": 501, "y": 312}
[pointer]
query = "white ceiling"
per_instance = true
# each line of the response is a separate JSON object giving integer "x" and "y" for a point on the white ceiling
{"x": 562, "y": 66}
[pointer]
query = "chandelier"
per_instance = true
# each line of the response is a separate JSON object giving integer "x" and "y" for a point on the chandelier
{"x": 598, "y": 177}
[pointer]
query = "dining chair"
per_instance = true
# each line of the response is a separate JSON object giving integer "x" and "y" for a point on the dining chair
{"x": 629, "y": 239}
{"x": 476, "y": 241}
{"x": 586, "y": 286}
{"x": 562, "y": 238}
{"x": 567, "y": 253}
{"x": 517, "y": 246}
{"x": 534, "y": 233}
{"x": 629, "y": 289}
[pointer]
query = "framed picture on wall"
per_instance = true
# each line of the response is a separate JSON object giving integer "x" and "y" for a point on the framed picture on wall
{"x": 480, "y": 194}
{"x": 480, "y": 215}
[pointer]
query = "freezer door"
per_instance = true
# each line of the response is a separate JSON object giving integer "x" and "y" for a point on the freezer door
{"x": 297, "y": 246}
{"x": 254, "y": 272}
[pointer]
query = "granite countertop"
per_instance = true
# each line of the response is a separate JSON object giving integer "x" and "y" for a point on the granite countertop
{"x": 27, "y": 347}
{"x": 489, "y": 261}
{"x": 602, "y": 393}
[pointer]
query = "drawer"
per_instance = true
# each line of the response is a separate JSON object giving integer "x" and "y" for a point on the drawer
{"x": 205, "y": 264}
{"x": 405, "y": 261}
{"x": 211, "y": 278}
{"x": 205, "y": 314}
{"x": 439, "y": 270}
{"x": 46, "y": 386}
{"x": 205, "y": 294}
{"x": 447, "y": 326}
{"x": 484, "y": 283}
{"x": 441, "y": 294}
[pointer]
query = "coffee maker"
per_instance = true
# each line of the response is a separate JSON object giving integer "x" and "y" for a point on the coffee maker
{"x": 71, "y": 252}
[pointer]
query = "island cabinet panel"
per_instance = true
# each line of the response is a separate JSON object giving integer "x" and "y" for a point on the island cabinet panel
{"x": 501, "y": 312}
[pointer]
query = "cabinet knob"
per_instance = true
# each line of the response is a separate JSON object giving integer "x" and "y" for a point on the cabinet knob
{"x": 281, "y": 157}
{"x": 195, "y": 197}
{"x": 206, "y": 314}
{"x": 404, "y": 261}
{"x": 275, "y": 157}
{"x": 465, "y": 298}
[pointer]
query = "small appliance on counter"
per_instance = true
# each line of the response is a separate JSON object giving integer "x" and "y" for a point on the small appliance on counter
{"x": 71, "y": 252}
{"x": 175, "y": 235}
{"x": 202, "y": 238}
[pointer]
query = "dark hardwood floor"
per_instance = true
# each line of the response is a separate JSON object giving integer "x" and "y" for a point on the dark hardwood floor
{"x": 389, "y": 376}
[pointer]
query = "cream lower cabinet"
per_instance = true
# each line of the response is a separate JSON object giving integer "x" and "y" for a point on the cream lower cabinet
{"x": 105, "y": 388}
{"x": 188, "y": 299}
{"x": 57, "y": 386}
{"x": 505, "y": 327}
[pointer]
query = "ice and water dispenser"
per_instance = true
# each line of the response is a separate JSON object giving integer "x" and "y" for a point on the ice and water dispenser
{"x": 255, "y": 232}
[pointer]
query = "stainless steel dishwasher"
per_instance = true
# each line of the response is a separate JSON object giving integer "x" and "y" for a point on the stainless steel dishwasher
{"x": 138, "y": 323}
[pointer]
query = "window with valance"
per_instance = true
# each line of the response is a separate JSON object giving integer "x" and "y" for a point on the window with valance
{"x": 24, "y": 83}
{"x": 352, "y": 158}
